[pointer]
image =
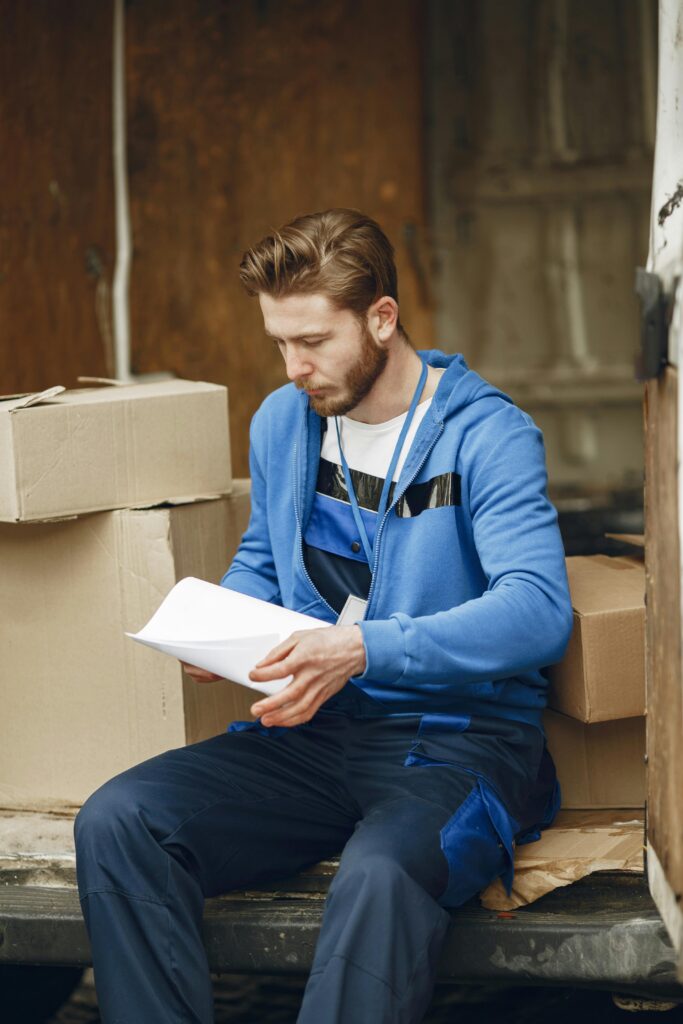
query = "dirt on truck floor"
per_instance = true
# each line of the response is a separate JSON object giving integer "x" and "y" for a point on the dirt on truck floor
{"x": 251, "y": 1000}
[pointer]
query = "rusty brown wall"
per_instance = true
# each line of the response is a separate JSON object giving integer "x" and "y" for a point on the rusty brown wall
{"x": 56, "y": 208}
{"x": 241, "y": 116}
{"x": 526, "y": 133}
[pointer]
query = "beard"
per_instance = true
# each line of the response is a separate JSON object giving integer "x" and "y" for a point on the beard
{"x": 357, "y": 383}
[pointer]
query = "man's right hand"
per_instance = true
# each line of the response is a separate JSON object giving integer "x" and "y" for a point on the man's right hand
{"x": 200, "y": 675}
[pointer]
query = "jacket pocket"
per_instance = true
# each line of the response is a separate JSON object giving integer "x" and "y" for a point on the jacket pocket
{"x": 478, "y": 844}
{"x": 478, "y": 841}
{"x": 432, "y": 741}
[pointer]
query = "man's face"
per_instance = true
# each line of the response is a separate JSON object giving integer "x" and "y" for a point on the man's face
{"x": 327, "y": 352}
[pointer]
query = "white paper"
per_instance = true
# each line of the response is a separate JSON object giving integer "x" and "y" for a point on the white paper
{"x": 221, "y": 631}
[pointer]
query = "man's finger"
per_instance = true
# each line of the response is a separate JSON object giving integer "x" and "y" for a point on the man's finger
{"x": 289, "y": 714}
{"x": 290, "y": 694}
{"x": 278, "y": 670}
{"x": 279, "y": 652}
{"x": 295, "y": 713}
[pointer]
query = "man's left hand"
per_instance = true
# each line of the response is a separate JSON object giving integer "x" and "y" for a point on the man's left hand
{"x": 321, "y": 662}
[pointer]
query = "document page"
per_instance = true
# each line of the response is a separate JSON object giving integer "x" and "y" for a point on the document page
{"x": 221, "y": 631}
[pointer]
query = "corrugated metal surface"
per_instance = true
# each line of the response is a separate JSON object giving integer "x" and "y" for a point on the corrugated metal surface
{"x": 541, "y": 125}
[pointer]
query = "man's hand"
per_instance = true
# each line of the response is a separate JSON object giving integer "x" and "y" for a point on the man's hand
{"x": 200, "y": 675}
{"x": 321, "y": 661}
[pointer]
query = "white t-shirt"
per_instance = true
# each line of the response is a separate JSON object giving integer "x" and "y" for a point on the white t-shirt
{"x": 368, "y": 447}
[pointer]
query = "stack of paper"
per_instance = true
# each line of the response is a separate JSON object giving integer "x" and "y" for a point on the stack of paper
{"x": 221, "y": 631}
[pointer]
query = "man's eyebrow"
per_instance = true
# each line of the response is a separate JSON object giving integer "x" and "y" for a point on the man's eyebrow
{"x": 306, "y": 336}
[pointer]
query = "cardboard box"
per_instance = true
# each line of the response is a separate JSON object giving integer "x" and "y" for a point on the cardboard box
{"x": 80, "y": 701}
{"x": 112, "y": 447}
{"x": 602, "y": 675}
{"x": 600, "y": 765}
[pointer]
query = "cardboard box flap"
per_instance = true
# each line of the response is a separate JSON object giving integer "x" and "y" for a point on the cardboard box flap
{"x": 23, "y": 402}
{"x": 601, "y": 584}
{"x": 108, "y": 394}
{"x": 108, "y": 381}
{"x": 637, "y": 540}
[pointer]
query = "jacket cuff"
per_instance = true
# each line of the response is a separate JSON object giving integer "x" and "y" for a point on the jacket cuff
{"x": 384, "y": 649}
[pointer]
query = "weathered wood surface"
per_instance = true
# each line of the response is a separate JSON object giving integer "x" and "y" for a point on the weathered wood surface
{"x": 540, "y": 168}
{"x": 663, "y": 630}
{"x": 242, "y": 116}
{"x": 56, "y": 193}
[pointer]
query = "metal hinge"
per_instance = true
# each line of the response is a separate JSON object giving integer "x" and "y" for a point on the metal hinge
{"x": 655, "y": 308}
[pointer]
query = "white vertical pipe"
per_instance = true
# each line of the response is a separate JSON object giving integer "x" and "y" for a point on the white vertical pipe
{"x": 556, "y": 96}
{"x": 120, "y": 305}
{"x": 572, "y": 285}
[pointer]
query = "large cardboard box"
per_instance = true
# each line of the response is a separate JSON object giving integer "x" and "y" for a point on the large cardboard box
{"x": 599, "y": 765}
{"x": 112, "y": 447}
{"x": 80, "y": 701}
{"x": 602, "y": 675}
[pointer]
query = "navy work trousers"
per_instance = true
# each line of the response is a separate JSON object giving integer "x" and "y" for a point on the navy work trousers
{"x": 253, "y": 805}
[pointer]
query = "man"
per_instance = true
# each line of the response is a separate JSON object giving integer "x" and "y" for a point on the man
{"x": 401, "y": 497}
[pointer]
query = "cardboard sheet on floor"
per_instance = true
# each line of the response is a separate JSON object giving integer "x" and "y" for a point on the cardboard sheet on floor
{"x": 579, "y": 843}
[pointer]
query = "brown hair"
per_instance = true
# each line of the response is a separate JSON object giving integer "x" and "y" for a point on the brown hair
{"x": 341, "y": 253}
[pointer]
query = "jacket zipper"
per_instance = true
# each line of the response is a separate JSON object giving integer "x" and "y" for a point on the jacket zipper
{"x": 396, "y": 499}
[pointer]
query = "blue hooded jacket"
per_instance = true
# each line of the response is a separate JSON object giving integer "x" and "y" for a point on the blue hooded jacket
{"x": 468, "y": 602}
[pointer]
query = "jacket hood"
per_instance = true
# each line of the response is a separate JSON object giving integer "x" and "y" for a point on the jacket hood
{"x": 459, "y": 385}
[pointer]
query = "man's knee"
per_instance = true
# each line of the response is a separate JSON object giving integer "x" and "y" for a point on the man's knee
{"x": 396, "y": 859}
{"x": 371, "y": 874}
{"x": 107, "y": 814}
{"x": 374, "y": 903}
{"x": 114, "y": 846}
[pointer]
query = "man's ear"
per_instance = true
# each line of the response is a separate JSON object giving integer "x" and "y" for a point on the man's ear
{"x": 385, "y": 313}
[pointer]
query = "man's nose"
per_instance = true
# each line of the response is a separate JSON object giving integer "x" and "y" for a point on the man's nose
{"x": 297, "y": 365}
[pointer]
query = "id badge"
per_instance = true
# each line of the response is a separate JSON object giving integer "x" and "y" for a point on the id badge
{"x": 353, "y": 611}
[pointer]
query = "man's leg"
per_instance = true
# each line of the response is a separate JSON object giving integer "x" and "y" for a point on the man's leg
{"x": 383, "y": 927}
{"x": 153, "y": 842}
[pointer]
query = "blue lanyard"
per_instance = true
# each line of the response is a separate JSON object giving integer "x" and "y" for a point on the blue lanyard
{"x": 384, "y": 497}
